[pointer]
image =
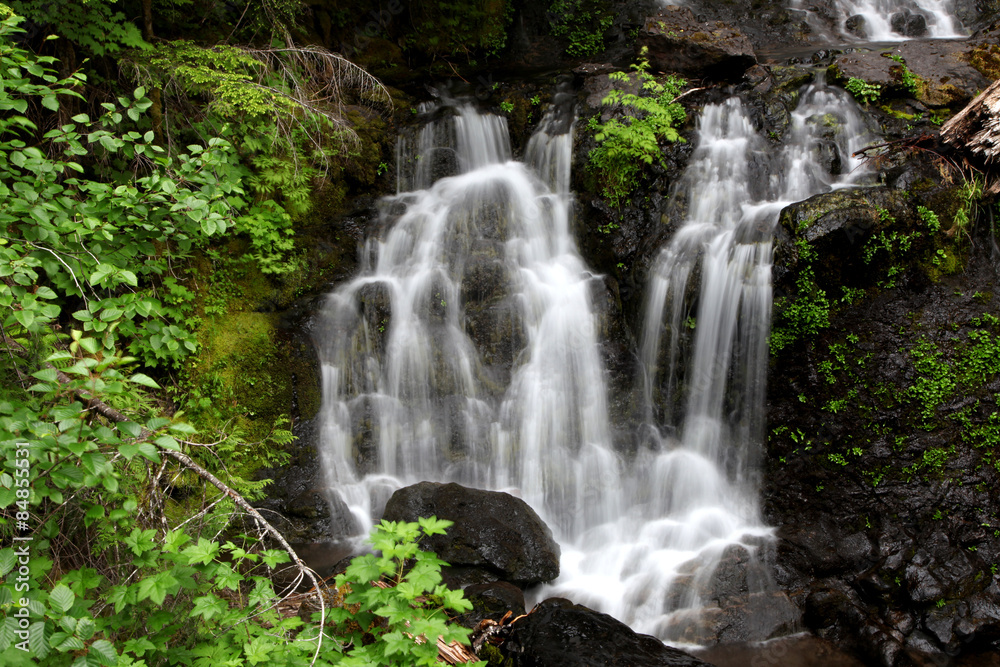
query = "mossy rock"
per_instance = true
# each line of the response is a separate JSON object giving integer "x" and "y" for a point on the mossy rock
{"x": 251, "y": 371}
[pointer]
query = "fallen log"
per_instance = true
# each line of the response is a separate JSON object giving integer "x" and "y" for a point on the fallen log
{"x": 974, "y": 132}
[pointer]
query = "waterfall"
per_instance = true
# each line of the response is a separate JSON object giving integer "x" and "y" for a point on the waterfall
{"x": 467, "y": 350}
{"x": 894, "y": 20}
{"x": 511, "y": 396}
{"x": 704, "y": 361}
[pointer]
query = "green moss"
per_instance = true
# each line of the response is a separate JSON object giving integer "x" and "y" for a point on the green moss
{"x": 493, "y": 656}
{"x": 248, "y": 372}
{"x": 986, "y": 59}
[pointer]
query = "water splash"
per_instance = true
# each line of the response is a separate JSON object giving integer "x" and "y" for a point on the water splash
{"x": 893, "y": 20}
{"x": 418, "y": 387}
{"x": 467, "y": 350}
{"x": 687, "y": 549}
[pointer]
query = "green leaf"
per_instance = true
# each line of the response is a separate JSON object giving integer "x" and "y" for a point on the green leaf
{"x": 208, "y": 606}
{"x": 8, "y": 559}
{"x": 7, "y": 631}
{"x": 272, "y": 557}
{"x": 70, "y": 643}
{"x": 50, "y": 102}
{"x": 130, "y": 428}
{"x": 145, "y": 380}
{"x": 166, "y": 442}
{"x": 38, "y": 641}
{"x": 62, "y": 598}
{"x": 25, "y": 317}
{"x": 104, "y": 652}
{"x": 204, "y": 552}
{"x": 47, "y": 375}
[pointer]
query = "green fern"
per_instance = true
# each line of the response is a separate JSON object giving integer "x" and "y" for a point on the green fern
{"x": 625, "y": 146}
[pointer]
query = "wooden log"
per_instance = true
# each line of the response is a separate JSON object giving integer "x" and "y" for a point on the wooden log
{"x": 975, "y": 130}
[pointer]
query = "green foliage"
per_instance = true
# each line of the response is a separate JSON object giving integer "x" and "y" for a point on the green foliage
{"x": 98, "y": 26}
{"x": 398, "y": 624}
{"x": 460, "y": 27}
{"x": 910, "y": 81}
{"x": 862, "y": 90}
{"x": 969, "y": 195}
{"x": 583, "y": 23}
{"x": 804, "y": 314}
{"x": 271, "y": 238}
{"x": 625, "y": 146}
{"x": 99, "y": 247}
{"x": 929, "y": 218}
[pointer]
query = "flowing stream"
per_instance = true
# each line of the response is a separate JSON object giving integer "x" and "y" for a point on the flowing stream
{"x": 467, "y": 350}
{"x": 891, "y": 20}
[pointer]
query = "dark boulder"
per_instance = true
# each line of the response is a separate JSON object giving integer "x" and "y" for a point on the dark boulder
{"x": 856, "y": 25}
{"x": 677, "y": 42}
{"x": 495, "y": 537}
{"x": 909, "y": 23}
{"x": 558, "y": 633}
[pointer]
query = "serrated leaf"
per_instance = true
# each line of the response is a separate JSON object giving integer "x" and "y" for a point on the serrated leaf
{"x": 71, "y": 643}
{"x": 38, "y": 642}
{"x": 8, "y": 559}
{"x": 104, "y": 652}
{"x": 62, "y": 598}
{"x": 7, "y": 632}
{"x": 47, "y": 375}
{"x": 166, "y": 442}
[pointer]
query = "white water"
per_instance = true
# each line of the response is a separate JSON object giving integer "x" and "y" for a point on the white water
{"x": 877, "y": 17}
{"x": 407, "y": 391}
{"x": 415, "y": 387}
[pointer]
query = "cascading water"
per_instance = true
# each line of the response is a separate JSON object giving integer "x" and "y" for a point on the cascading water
{"x": 466, "y": 350}
{"x": 415, "y": 387}
{"x": 894, "y": 20}
{"x": 704, "y": 360}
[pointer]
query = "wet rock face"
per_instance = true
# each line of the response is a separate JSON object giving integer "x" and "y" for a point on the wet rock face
{"x": 855, "y": 25}
{"x": 949, "y": 81}
{"x": 559, "y": 633}
{"x": 884, "y": 495}
{"x": 495, "y": 537}
{"x": 678, "y": 42}
{"x": 492, "y": 601}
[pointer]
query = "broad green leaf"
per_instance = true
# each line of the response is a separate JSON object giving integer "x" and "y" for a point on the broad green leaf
{"x": 8, "y": 559}
{"x": 104, "y": 652}
{"x": 145, "y": 380}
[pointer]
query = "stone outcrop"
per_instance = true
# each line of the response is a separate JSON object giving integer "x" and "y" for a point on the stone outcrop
{"x": 946, "y": 79}
{"x": 677, "y": 42}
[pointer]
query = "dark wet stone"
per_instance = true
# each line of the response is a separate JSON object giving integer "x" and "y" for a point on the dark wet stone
{"x": 558, "y": 633}
{"x": 909, "y": 23}
{"x": 856, "y": 25}
{"x": 493, "y": 600}
{"x": 493, "y": 531}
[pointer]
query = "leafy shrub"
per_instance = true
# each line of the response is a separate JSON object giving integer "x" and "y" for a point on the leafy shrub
{"x": 862, "y": 90}
{"x": 583, "y": 23}
{"x": 625, "y": 146}
{"x": 398, "y": 624}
